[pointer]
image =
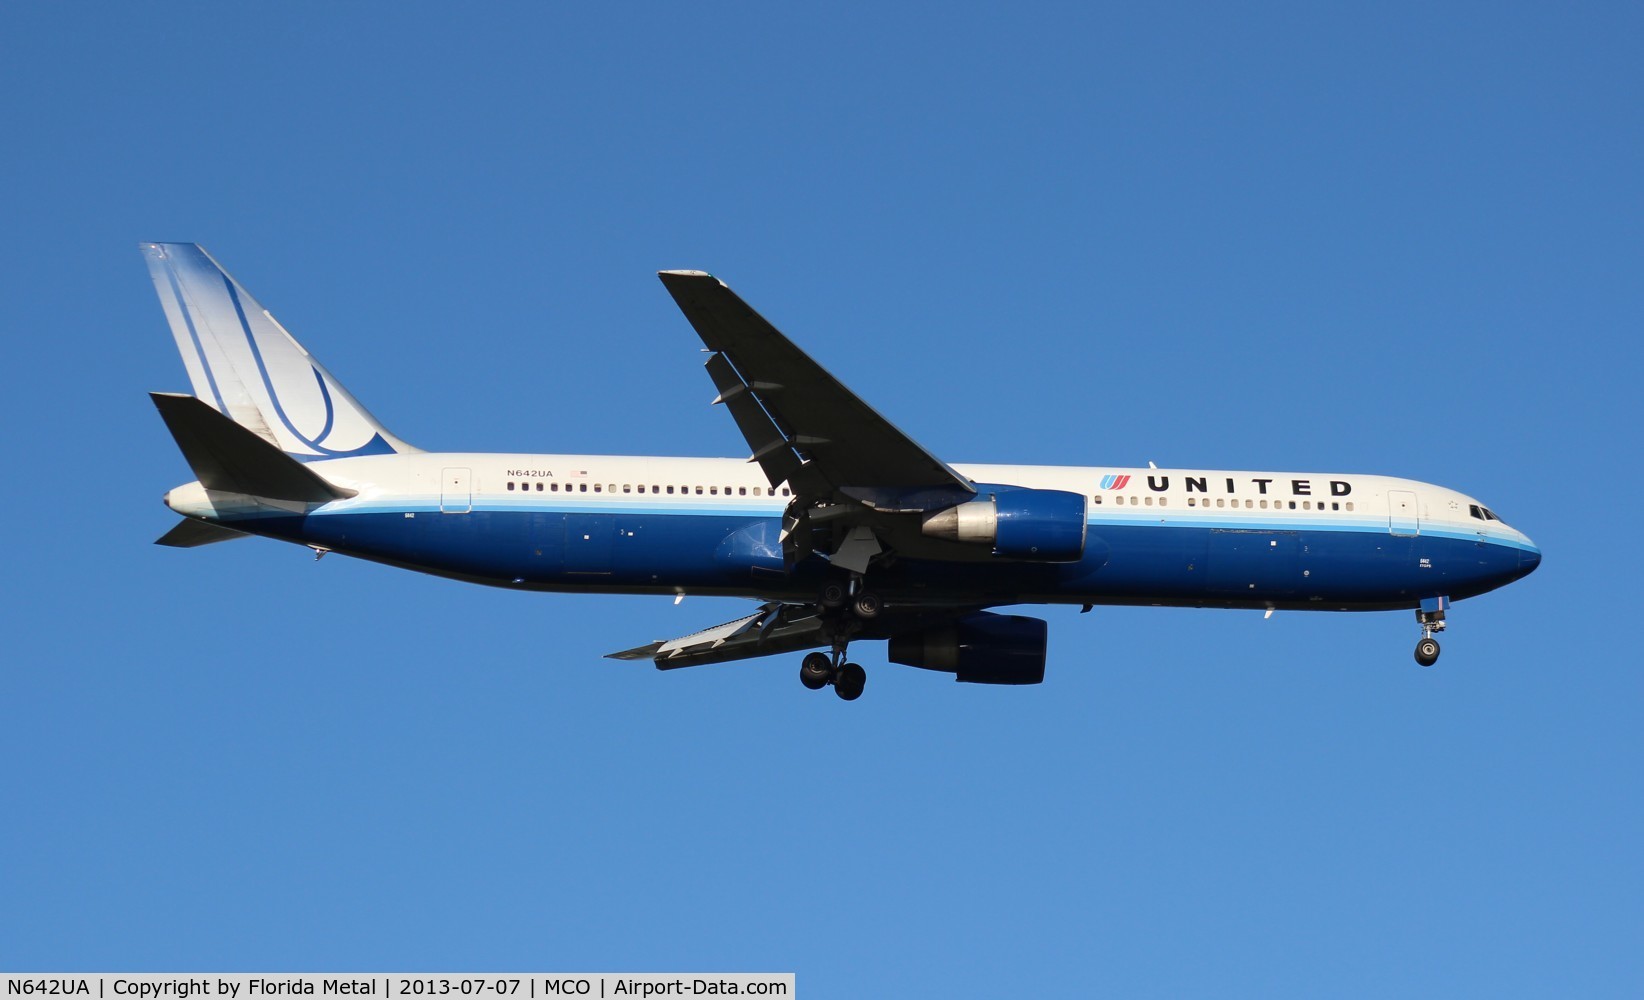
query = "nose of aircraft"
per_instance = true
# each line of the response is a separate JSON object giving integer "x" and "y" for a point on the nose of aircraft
{"x": 1528, "y": 560}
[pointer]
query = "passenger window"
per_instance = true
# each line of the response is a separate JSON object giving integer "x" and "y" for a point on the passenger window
{"x": 1247, "y": 505}
{"x": 1164, "y": 501}
{"x": 510, "y": 486}
{"x": 713, "y": 491}
{"x": 1349, "y": 505}
{"x": 699, "y": 491}
{"x": 1307, "y": 505}
{"x": 1220, "y": 502}
{"x": 627, "y": 488}
{"x": 759, "y": 491}
{"x": 554, "y": 488}
{"x": 1096, "y": 500}
{"x": 1148, "y": 501}
{"x": 582, "y": 487}
{"x": 670, "y": 489}
{"x": 786, "y": 491}
{"x": 596, "y": 487}
{"x": 539, "y": 486}
{"x": 741, "y": 491}
{"x": 1263, "y": 504}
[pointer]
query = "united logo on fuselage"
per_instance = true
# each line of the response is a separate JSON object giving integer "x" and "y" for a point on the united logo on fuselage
{"x": 1115, "y": 482}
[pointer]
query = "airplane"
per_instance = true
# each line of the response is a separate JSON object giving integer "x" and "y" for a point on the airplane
{"x": 838, "y": 524}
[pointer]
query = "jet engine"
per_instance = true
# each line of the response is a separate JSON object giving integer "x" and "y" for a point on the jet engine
{"x": 1036, "y": 525}
{"x": 980, "y": 648}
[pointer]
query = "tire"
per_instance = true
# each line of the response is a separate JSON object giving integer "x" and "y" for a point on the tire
{"x": 851, "y": 681}
{"x": 834, "y": 595}
{"x": 1427, "y": 652}
{"x": 815, "y": 671}
{"x": 868, "y": 605}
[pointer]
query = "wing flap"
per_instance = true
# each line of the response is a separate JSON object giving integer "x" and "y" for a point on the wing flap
{"x": 771, "y": 448}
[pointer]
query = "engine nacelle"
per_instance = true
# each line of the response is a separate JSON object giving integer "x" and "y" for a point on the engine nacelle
{"x": 1037, "y": 525}
{"x": 980, "y": 648}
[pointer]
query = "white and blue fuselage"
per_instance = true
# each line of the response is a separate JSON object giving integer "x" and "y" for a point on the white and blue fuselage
{"x": 712, "y": 526}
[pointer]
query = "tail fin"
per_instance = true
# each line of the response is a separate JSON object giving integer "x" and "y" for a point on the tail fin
{"x": 245, "y": 365}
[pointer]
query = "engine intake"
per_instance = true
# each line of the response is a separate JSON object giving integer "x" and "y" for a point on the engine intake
{"x": 1037, "y": 525}
{"x": 980, "y": 648}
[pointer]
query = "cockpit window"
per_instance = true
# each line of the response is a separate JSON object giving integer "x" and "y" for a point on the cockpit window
{"x": 1482, "y": 513}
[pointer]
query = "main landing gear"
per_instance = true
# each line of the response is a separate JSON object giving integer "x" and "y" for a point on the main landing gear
{"x": 845, "y": 608}
{"x": 1427, "y": 650}
{"x": 818, "y": 670}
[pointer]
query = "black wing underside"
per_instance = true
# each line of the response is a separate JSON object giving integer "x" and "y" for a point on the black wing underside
{"x": 802, "y": 425}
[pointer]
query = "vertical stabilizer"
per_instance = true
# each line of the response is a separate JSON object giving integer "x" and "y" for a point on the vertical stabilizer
{"x": 245, "y": 365}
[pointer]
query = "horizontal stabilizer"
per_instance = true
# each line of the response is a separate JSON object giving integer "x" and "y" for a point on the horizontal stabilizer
{"x": 190, "y": 533}
{"x": 230, "y": 458}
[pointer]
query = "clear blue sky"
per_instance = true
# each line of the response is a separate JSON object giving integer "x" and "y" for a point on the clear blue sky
{"x": 1388, "y": 239}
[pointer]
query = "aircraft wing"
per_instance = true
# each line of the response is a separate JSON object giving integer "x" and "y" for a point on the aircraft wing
{"x": 802, "y": 425}
{"x": 778, "y": 628}
{"x": 774, "y": 628}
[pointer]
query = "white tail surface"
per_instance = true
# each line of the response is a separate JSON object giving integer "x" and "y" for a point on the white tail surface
{"x": 245, "y": 365}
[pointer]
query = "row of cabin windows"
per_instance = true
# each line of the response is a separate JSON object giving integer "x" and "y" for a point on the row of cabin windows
{"x": 553, "y": 487}
{"x": 1224, "y": 502}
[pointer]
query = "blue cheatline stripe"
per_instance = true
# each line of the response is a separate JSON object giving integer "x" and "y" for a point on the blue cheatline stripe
{"x": 194, "y": 335}
{"x": 1371, "y": 525}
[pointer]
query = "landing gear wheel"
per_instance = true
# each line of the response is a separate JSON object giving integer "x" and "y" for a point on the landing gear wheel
{"x": 834, "y": 595}
{"x": 1427, "y": 651}
{"x": 850, "y": 681}
{"x": 815, "y": 671}
{"x": 867, "y": 604}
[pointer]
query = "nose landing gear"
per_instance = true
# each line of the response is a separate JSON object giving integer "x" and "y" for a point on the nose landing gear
{"x": 1431, "y": 620}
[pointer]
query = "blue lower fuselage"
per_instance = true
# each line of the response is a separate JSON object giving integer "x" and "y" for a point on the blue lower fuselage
{"x": 1285, "y": 563}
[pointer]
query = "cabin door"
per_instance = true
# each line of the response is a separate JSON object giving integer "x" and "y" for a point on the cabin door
{"x": 1403, "y": 518}
{"x": 456, "y": 492}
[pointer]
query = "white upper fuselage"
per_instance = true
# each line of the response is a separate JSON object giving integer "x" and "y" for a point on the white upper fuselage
{"x": 499, "y": 481}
